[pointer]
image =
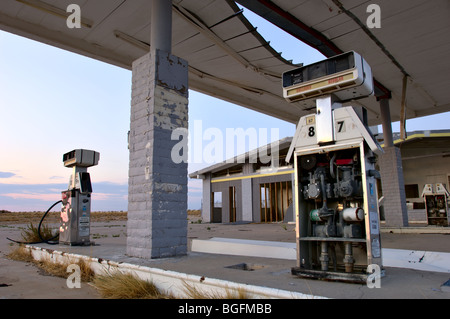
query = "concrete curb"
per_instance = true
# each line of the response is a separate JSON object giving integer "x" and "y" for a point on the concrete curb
{"x": 169, "y": 281}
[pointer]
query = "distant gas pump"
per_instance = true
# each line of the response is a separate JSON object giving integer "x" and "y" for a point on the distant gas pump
{"x": 337, "y": 214}
{"x": 76, "y": 200}
{"x": 436, "y": 204}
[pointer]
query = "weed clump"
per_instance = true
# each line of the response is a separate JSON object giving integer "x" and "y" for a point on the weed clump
{"x": 118, "y": 285}
{"x": 31, "y": 233}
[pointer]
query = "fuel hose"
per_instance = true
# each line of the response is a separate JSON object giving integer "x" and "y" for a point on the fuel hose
{"x": 50, "y": 241}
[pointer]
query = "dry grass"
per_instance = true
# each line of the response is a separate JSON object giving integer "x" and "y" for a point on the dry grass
{"x": 31, "y": 234}
{"x": 112, "y": 285}
{"x": 108, "y": 216}
{"x": 27, "y": 217}
{"x": 60, "y": 269}
{"x": 193, "y": 293}
{"x": 194, "y": 212}
{"x": 117, "y": 285}
{"x": 7, "y": 217}
{"x": 20, "y": 253}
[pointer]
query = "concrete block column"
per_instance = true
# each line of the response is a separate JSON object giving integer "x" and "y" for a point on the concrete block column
{"x": 247, "y": 193}
{"x": 391, "y": 170}
{"x": 207, "y": 206}
{"x": 157, "y": 195}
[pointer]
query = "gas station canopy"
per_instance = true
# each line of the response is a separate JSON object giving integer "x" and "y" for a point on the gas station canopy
{"x": 230, "y": 60}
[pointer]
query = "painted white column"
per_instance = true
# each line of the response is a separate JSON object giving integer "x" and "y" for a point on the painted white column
{"x": 391, "y": 169}
{"x": 157, "y": 185}
{"x": 386, "y": 123}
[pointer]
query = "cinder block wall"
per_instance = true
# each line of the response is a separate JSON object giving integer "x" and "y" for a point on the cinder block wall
{"x": 393, "y": 185}
{"x": 157, "y": 195}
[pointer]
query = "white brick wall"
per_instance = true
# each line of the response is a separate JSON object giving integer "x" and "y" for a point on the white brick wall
{"x": 395, "y": 210}
{"x": 157, "y": 211}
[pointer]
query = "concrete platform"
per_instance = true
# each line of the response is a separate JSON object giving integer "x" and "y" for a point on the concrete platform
{"x": 267, "y": 277}
{"x": 398, "y": 258}
{"x": 245, "y": 247}
{"x": 264, "y": 277}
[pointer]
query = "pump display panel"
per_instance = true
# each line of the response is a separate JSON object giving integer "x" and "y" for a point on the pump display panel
{"x": 348, "y": 76}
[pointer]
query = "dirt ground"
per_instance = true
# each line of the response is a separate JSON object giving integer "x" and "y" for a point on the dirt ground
{"x": 22, "y": 280}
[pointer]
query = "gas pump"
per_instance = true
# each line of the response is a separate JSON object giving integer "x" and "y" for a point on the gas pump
{"x": 436, "y": 204}
{"x": 336, "y": 201}
{"x": 76, "y": 200}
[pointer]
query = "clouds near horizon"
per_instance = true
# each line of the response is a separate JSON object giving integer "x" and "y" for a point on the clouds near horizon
{"x": 106, "y": 196}
{"x": 39, "y": 197}
{"x": 6, "y": 174}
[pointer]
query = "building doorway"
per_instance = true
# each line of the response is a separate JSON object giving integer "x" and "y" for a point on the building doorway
{"x": 216, "y": 207}
{"x": 232, "y": 204}
{"x": 275, "y": 199}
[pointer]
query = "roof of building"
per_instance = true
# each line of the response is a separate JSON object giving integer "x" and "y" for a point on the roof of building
{"x": 243, "y": 158}
{"x": 415, "y": 136}
{"x": 285, "y": 143}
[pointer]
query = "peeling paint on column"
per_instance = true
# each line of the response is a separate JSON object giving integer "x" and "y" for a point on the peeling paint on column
{"x": 171, "y": 73}
{"x": 157, "y": 212}
{"x": 147, "y": 173}
{"x": 168, "y": 188}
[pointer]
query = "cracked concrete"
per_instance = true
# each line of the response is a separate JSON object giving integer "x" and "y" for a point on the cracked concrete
{"x": 111, "y": 237}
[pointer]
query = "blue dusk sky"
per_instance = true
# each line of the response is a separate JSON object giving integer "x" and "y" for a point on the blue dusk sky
{"x": 53, "y": 101}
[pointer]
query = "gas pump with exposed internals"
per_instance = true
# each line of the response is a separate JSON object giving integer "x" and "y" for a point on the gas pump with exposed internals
{"x": 436, "y": 204}
{"x": 336, "y": 201}
{"x": 76, "y": 200}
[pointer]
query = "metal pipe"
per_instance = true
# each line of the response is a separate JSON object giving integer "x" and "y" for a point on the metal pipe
{"x": 333, "y": 175}
{"x": 348, "y": 258}
{"x": 324, "y": 259}
{"x": 353, "y": 214}
{"x": 386, "y": 122}
{"x": 161, "y": 25}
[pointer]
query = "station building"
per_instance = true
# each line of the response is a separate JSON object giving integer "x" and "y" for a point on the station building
{"x": 243, "y": 189}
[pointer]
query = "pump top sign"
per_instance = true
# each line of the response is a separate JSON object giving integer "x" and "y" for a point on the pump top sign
{"x": 348, "y": 76}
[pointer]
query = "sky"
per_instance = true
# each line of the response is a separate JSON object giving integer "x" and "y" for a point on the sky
{"x": 53, "y": 101}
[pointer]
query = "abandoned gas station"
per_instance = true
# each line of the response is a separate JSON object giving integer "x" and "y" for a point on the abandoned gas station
{"x": 209, "y": 46}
